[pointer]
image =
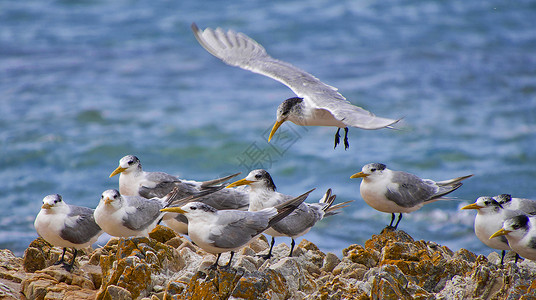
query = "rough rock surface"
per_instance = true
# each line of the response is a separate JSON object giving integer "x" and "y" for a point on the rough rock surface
{"x": 390, "y": 265}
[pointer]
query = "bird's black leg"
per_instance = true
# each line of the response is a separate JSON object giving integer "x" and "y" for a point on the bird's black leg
{"x": 291, "y": 247}
{"x": 346, "y": 144}
{"x": 337, "y": 138}
{"x": 228, "y": 265}
{"x": 398, "y": 221}
{"x": 59, "y": 262}
{"x": 503, "y": 252}
{"x": 269, "y": 255}
{"x": 214, "y": 266}
{"x": 517, "y": 257}
{"x": 69, "y": 267}
{"x": 392, "y": 220}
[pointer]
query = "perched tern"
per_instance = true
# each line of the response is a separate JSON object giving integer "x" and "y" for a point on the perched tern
{"x": 218, "y": 231}
{"x": 66, "y": 226}
{"x": 263, "y": 195}
{"x": 521, "y": 234}
{"x": 133, "y": 181}
{"x": 125, "y": 216}
{"x": 527, "y": 206}
{"x": 317, "y": 104}
{"x": 489, "y": 218}
{"x": 400, "y": 192}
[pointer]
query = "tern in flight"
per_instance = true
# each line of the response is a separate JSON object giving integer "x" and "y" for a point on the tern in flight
{"x": 316, "y": 104}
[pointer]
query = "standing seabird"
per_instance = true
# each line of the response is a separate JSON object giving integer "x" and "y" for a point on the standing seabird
{"x": 489, "y": 218}
{"x": 400, "y": 192}
{"x": 67, "y": 226}
{"x": 263, "y": 195}
{"x": 218, "y": 231}
{"x": 134, "y": 181}
{"x": 521, "y": 234}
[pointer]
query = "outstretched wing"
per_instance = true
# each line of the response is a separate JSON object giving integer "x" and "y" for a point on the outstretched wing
{"x": 239, "y": 50}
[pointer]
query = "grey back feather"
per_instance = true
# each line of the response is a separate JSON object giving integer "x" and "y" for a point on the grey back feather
{"x": 241, "y": 227}
{"x": 147, "y": 211}
{"x": 85, "y": 227}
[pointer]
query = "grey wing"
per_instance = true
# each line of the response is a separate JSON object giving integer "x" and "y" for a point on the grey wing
{"x": 409, "y": 190}
{"x": 239, "y": 50}
{"x": 302, "y": 218}
{"x": 85, "y": 227}
{"x": 527, "y": 205}
{"x": 227, "y": 199}
{"x": 164, "y": 188}
{"x": 147, "y": 211}
{"x": 163, "y": 182}
{"x": 239, "y": 227}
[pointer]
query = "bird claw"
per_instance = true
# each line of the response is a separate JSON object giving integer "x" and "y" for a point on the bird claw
{"x": 338, "y": 139}
{"x": 67, "y": 267}
{"x": 265, "y": 256}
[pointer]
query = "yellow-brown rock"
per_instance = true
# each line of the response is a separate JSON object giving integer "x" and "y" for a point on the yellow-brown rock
{"x": 390, "y": 265}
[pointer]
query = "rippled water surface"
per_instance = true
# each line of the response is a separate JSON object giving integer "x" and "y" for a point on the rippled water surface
{"x": 83, "y": 83}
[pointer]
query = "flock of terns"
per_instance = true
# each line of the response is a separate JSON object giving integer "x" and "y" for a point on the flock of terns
{"x": 220, "y": 218}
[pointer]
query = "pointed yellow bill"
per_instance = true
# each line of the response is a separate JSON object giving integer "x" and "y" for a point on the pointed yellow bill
{"x": 471, "y": 206}
{"x": 46, "y": 206}
{"x": 107, "y": 201}
{"x": 499, "y": 233}
{"x": 239, "y": 183}
{"x": 359, "y": 175}
{"x": 174, "y": 210}
{"x": 274, "y": 129}
{"x": 117, "y": 171}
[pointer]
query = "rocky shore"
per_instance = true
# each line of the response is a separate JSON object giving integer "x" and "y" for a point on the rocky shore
{"x": 391, "y": 265}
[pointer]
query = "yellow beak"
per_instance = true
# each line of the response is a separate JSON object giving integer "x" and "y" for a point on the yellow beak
{"x": 117, "y": 171}
{"x": 499, "y": 233}
{"x": 107, "y": 201}
{"x": 174, "y": 210}
{"x": 471, "y": 206}
{"x": 46, "y": 206}
{"x": 274, "y": 129}
{"x": 358, "y": 175}
{"x": 239, "y": 183}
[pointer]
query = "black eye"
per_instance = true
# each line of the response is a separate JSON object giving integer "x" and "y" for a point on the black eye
{"x": 516, "y": 226}
{"x": 373, "y": 170}
{"x": 193, "y": 208}
{"x": 115, "y": 196}
{"x": 130, "y": 162}
{"x": 258, "y": 176}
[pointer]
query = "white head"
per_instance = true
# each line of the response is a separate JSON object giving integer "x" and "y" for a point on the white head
{"x": 111, "y": 199}
{"x": 53, "y": 204}
{"x": 370, "y": 171}
{"x": 193, "y": 210}
{"x": 288, "y": 110}
{"x": 485, "y": 205}
{"x": 127, "y": 164}
{"x": 257, "y": 179}
{"x": 515, "y": 227}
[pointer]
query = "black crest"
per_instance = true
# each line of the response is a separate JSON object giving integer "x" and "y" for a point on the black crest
{"x": 264, "y": 175}
{"x": 377, "y": 166}
{"x": 289, "y": 104}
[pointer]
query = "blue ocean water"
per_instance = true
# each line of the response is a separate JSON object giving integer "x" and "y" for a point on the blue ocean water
{"x": 83, "y": 83}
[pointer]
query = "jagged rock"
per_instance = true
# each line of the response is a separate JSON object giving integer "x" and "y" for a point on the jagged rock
{"x": 168, "y": 266}
{"x": 137, "y": 264}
